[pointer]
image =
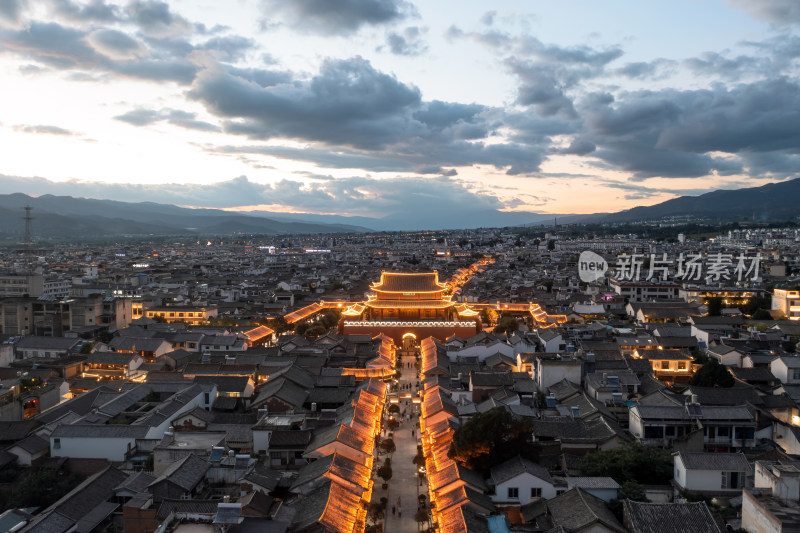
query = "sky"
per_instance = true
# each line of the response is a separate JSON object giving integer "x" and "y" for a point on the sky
{"x": 382, "y": 108}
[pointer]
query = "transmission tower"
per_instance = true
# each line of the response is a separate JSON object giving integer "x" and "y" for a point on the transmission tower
{"x": 27, "y": 239}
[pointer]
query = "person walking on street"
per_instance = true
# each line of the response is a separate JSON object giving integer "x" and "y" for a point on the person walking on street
{"x": 393, "y": 510}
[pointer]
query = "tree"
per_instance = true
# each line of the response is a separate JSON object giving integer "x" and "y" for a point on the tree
{"x": 488, "y": 315}
{"x": 388, "y": 446}
{"x": 87, "y": 347}
{"x": 637, "y": 462}
{"x": 507, "y": 324}
{"x": 762, "y": 314}
{"x": 301, "y": 328}
{"x": 756, "y": 303}
{"x": 551, "y": 245}
{"x": 714, "y": 306}
{"x": 421, "y": 516}
{"x": 392, "y": 424}
{"x": 43, "y": 488}
{"x": 385, "y": 472}
{"x": 712, "y": 374}
{"x": 491, "y": 438}
{"x": 375, "y": 512}
{"x": 330, "y": 318}
{"x": 316, "y": 330}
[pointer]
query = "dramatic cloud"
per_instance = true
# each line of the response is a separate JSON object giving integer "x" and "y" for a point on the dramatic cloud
{"x": 66, "y": 48}
{"x": 93, "y": 11}
{"x": 366, "y": 115}
{"x": 156, "y": 19}
{"x": 673, "y": 133}
{"x": 337, "y": 17}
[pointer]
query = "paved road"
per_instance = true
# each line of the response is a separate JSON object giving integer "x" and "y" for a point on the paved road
{"x": 404, "y": 487}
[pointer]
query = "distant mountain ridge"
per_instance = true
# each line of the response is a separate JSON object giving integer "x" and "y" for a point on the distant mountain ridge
{"x": 768, "y": 202}
{"x": 70, "y": 218}
{"x": 66, "y": 217}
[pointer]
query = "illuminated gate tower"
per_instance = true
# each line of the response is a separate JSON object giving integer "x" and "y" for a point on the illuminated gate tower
{"x": 407, "y": 306}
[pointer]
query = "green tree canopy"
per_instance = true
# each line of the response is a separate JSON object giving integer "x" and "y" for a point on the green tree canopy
{"x": 712, "y": 374}
{"x": 507, "y": 324}
{"x": 43, "y": 488}
{"x": 491, "y": 438}
{"x": 634, "y": 462}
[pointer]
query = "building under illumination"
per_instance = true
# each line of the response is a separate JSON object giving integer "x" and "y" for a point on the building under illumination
{"x": 407, "y": 307}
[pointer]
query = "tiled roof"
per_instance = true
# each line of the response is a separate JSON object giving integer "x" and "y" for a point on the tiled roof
{"x": 733, "y": 462}
{"x": 669, "y": 517}
{"x": 396, "y": 282}
{"x": 516, "y": 466}
{"x": 576, "y": 509}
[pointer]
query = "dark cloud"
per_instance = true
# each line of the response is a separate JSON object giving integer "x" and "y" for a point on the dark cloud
{"x": 488, "y": 18}
{"x": 11, "y": 11}
{"x": 712, "y": 63}
{"x": 368, "y": 118}
{"x": 176, "y": 117}
{"x": 779, "y": 12}
{"x": 579, "y": 147}
{"x": 93, "y": 11}
{"x": 66, "y": 48}
{"x": 348, "y": 103}
{"x": 156, "y": 19}
{"x": 409, "y": 43}
{"x": 115, "y": 44}
{"x": 45, "y": 129}
{"x": 337, "y": 17}
{"x": 640, "y": 70}
{"x": 541, "y": 89}
{"x": 229, "y": 48}
{"x": 548, "y": 74}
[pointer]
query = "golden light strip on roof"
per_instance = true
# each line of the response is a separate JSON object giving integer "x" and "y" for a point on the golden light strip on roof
{"x": 341, "y": 509}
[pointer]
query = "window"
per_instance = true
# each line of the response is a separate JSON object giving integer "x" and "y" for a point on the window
{"x": 681, "y": 365}
{"x": 559, "y": 492}
{"x": 795, "y": 374}
{"x": 744, "y": 433}
{"x": 513, "y": 492}
{"x": 536, "y": 492}
{"x": 56, "y": 444}
{"x": 664, "y": 365}
{"x": 732, "y": 480}
{"x": 654, "y": 432}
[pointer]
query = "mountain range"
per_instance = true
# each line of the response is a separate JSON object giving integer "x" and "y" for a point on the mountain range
{"x": 69, "y": 218}
{"x": 775, "y": 201}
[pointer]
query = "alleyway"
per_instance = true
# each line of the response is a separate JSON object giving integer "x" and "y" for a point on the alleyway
{"x": 404, "y": 486}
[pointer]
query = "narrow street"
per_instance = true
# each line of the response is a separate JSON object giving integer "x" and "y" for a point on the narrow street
{"x": 404, "y": 487}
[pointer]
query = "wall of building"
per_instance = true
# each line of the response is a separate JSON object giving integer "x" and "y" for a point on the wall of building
{"x": 756, "y": 518}
{"x": 396, "y": 330}
{"x": 524, "y": 483}
{"x": 110, "y": 449}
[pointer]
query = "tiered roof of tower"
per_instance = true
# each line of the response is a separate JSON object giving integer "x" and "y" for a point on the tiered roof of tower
{"x": 417, "y": 290}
